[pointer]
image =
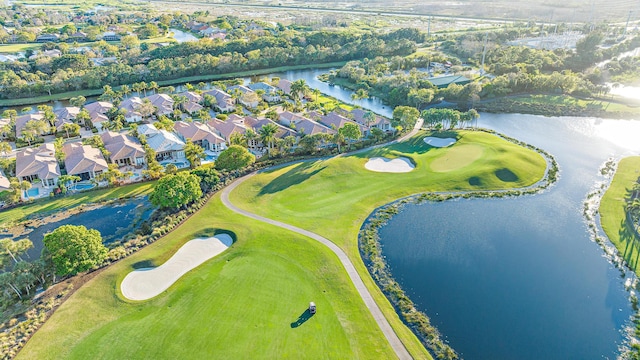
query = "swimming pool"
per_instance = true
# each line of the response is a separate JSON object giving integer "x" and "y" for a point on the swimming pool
{"x": 84, "y": 186}
{"x": 33, "y": 192}
{"x": 178, "y": 164}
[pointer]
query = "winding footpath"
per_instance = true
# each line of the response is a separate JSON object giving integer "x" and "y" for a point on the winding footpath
{"x": 387, "y": 330}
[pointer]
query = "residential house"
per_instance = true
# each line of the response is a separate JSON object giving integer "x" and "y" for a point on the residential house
{"x": 247, "y": 96}
{"x": 65, "y": 115}
{"x": 224, "y": 101}
{"x": 38, "y": 166}
{"x": 201, "y": 135}
{"x": 288, "y": 118}
{"x": 83, "y": 161}
{"x": 310, "y": 127}
{"x": 336, "y": 121}
{"x": 382, "y": 123}
{"x": 226, "y": 128}
{"x": 124, "y": 150}
{"x": 218, "y": 36}
{"x": 192, "y": 105}
{"x": 110, "y": 36}
{"x": 47, "y": 53}
{"x": 21, "y": 121}
{"x": 285, "y": 86}
{"x": 270, "y": 92}
{"x": 47, "y": 38}
{"x": 131, "y": 105}
{"x": 162, "y": 102}
{"x": 168, "y": 147}
{"x": 282, "y": 132}
{"x": 98, "y": 113}
{"x": 78, "y": 36}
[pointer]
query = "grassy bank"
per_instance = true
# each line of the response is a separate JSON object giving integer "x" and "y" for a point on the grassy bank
{"x": 613, "y": 215}
{"x": 245, "y": 303}
{"x": 179, "y": 81}
{"x": 48, "y": 205}
{"x": 339, "y": 193}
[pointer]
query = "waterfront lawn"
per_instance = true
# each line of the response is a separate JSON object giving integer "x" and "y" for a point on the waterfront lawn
{"x": 48, "y": 205}
{"x": 244, "y": 303}
{"x": 612, "y": 212}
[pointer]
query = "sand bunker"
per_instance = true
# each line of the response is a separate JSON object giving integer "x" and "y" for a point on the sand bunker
{"x": 380, "y": 164}
{"x": 438, "y": 142}
{"x": 143, "y": 284}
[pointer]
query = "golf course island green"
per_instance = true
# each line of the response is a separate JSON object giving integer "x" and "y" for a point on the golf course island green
{"x": 613, "y": 211}
{"x": 251, "y": 300}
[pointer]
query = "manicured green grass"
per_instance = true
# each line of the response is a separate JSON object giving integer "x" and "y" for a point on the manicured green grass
{"x": 333, "y": 197}
{"x": 242, "y": 304}
{"x": 42, "y": 206}
{"x": 612, "y": 211}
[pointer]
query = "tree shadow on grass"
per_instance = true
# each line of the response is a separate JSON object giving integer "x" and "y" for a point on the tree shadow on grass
{"x": 144, "y": 264}
{"x": 306, "y": 315}
{"x": 626, "y": 235}
{"x": 294, "y": 176}
{"x": 506, "y": 175}
{"x": 209, "y": 232}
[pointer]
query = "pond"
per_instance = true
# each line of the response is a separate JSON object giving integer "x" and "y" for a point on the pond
{"x": 113, "y": 221}
{"x": 520, "y": 278}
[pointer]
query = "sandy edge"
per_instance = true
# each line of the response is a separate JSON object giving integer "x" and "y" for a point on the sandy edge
{"x": 143, "y": 284}
{"x": 398, "y": 165}
{"x": 439, "y": 142}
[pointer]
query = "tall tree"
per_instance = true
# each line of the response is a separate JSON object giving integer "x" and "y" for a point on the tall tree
{"x": 234, "y": 157}
{"x": 74, "y": 249}
{"x": 267, "y": 135}
{"x": 194, "y": 153}
{"x": 174, "y": 191}
{"x": 351, "y": 132}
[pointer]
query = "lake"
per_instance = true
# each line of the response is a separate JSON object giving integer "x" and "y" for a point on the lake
{"x": 520, "y": 278}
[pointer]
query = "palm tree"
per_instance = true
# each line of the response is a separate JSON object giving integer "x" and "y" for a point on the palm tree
{"x": 146, "y": 109}
{"x": 339, "y": 140}
{"x": 25, "y": 186}
{"x": 125, "y": 90}
{"x": 298, "y": 87}
{"x": 144, "y": 86}
{"x": 137, "y": 87}
{"x": 250, "y": 136}
{"x": 316, "y": 93}
{"x": 369, "y": 117}
{"x": 153, "y": 86}
{"x": 267, "y": 135}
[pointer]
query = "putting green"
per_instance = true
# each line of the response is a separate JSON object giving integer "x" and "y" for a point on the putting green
{"x": 457, "y": 157}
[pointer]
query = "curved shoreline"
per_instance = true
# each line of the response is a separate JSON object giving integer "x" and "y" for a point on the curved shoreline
{"x": 371, "y": 251}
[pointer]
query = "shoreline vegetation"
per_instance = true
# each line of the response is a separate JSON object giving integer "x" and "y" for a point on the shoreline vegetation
{"x": 371, "y": 251}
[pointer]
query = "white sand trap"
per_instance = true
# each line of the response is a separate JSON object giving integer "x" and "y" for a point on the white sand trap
{"x": 143, "y": 284}
{"x": 438, "y": 142}
{"x": 380, "y": 164}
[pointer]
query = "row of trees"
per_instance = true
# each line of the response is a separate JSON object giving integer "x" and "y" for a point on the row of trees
{"x": 73, "y": 72}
